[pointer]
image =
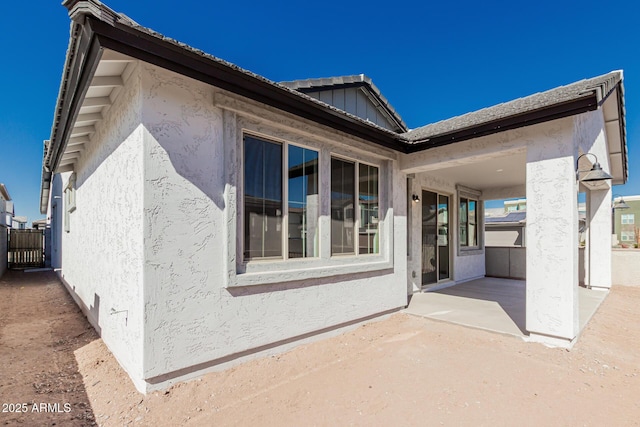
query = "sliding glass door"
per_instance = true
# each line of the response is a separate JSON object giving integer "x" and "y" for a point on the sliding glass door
{"x": 435, "y": 237}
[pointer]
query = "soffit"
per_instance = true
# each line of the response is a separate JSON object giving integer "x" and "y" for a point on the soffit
{"x": 110, "y": 76}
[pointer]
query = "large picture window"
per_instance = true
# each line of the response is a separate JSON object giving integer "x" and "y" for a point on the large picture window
{"x": 468, "y": 219}
{"x": 354, "y": 230}
{"x": 267, "y": 233}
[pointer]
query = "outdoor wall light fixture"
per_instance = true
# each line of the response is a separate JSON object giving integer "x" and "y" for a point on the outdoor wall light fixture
{"x": 620, "y": 204}
{"x": 415, "y": 198}
{"x": 595, "y": 174}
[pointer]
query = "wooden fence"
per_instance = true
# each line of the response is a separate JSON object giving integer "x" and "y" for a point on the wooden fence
{"x": 25, "y": 248}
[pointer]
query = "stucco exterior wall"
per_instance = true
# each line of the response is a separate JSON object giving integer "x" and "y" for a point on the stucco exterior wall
{"x": 102, "y": 253}
{"x": 464, "y": 266}
{"x": 199, "y": 307}
{"x": 552, "y": 234}
{"x": 589, "y": 137}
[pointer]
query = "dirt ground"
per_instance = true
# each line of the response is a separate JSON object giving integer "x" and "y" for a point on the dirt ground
{"x": 400, "y": 371}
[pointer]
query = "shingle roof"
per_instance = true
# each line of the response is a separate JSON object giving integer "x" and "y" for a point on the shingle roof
{"x": 116, "y": 29}
{"x": 99, "y": 9}
{"x": 603, "y": 85}
{"x": 511, "y": 217}
{"x": 308, "y": 85}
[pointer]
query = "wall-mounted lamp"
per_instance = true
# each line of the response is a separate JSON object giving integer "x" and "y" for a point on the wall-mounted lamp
{"x": 415, "y": 198}
{"x": 620, "y": 203}
{"x": 595, "y": 174}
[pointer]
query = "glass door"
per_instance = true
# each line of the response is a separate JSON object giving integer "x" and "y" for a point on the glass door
{"x": 435, "y": 237}
{"x": 443, "y": 237}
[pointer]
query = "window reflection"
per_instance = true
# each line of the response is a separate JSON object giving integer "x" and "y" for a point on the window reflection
{"x": 342, "y": 206}
{"x": 369, "y": 205}
{"x": 303, "y": 202}
{"x": 262, "y": 199}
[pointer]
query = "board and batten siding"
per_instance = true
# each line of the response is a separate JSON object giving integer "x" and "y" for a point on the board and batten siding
{"x": 354, "y": 101}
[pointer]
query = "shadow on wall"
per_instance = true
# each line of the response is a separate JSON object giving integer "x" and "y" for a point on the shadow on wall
{"x": 94, "y": 312}
{"x": 194, "y": 159}
{"x": 286, "y": 286}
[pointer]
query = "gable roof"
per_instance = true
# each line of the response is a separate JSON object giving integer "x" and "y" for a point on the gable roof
{"x": 343, "y": 82}
{"x": 96, "y": 28}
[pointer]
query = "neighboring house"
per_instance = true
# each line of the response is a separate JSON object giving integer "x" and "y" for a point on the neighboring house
{"x": 627, "y": 221}
{"x": 506, "y": 231}
{"x": 201, "y": 213}
{"x": 19, "y": 222}
{"x": 6, "y": 219}
{"x": 39, "y": 224}
{"x": 509, "y": 229}
{"x": 9, "y": 213}
{"x": 515, "y": 205}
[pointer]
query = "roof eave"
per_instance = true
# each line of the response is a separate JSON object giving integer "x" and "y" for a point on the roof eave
{"x": 96, "y": 27}
{"x": 589, "y": 102}
{"x": 623, "y": 132}
{"x": 4, "y": 192}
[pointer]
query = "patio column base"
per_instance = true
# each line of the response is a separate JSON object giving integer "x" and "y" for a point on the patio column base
{"x": 600, "y": 288}
{"x": 551, "y": 341}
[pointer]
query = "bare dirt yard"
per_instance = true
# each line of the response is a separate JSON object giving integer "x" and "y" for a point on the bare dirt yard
{"x": 403, "y": 370}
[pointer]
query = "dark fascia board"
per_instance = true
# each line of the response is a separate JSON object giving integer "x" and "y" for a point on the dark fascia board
{"x": 137, "y": 44}
{"x": 623, "y": 132}
{"x": 82, "y": 69}
{"x": 99, "y": 34}
{"x": 558, "y": 111}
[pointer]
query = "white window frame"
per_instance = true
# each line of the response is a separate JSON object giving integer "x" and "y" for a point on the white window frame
{"x": 627, "y": 218}
{"x": 285, "y": 199}
{"x": 475, "y": 195}
{"x": 69, "y": 202}
{"x": 257, "y": 272}
{"x": 630, "y": 236}
{"x": 356, "y": 213}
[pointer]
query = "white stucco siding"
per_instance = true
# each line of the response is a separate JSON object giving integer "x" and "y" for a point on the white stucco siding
{"x": 183, "y": 222}
{"x": 101, "y": 255}
{"x": 552, "y": 234}
{"x": 590, "y": 137}
{"x": 193, "y": 318}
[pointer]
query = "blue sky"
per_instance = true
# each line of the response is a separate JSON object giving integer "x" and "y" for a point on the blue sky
{"x": 431, "y": 61}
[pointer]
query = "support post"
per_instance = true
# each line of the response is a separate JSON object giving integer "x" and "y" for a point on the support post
{"x": 552, "y": 241}
{"x": 599, "y": 244}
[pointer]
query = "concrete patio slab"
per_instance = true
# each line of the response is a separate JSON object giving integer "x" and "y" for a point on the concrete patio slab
{"x": 492, "y": 304}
